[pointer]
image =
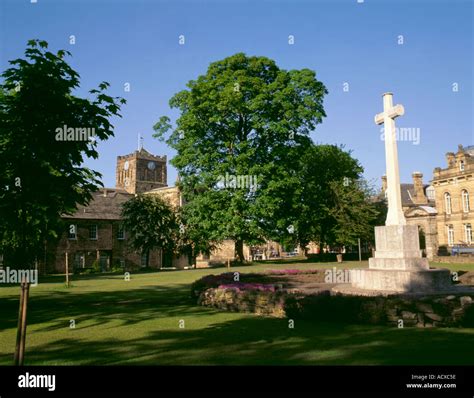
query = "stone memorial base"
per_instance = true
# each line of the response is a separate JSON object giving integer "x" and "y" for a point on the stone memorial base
{"x": 398, "y": 266}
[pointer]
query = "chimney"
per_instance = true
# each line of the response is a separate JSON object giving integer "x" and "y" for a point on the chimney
{"x": 419, "y": 196}
{"x": 450, "y": 159}
{"x": 384, "y": 183}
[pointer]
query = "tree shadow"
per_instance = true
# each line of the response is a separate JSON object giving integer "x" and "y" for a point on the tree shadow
{"x": 129, "y": 306}
{"x": 264, "y": 341}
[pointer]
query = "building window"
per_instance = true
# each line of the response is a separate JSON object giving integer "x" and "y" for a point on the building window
{"x": 79, "y": 260}
{"x": 121, "y": 233}
{"x": 93, "y": 232}
{"x": 450, "y": 235}
{"x": 468, "y": 233}
{"x": 447, "y": 202}
{"x": 72, "y": 232}
{"x": 461, "y": 165}
{"x": 144, "y": 260}
{"x": 430, "y": 193}
{"x": 465, "y": 201}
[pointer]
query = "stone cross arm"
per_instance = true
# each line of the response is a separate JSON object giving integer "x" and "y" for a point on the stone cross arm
{"x": 391, "y": 113}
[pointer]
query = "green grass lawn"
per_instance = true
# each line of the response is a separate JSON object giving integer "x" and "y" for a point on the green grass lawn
{"x": 137, "y": 322}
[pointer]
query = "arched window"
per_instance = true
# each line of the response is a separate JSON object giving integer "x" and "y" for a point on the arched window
{"x": 461, "y": 165}
{"x": 447, "y": 202}
{"x": 465, "y": 201}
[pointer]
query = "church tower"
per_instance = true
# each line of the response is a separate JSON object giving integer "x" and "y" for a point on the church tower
{"x": 140, "y": 171}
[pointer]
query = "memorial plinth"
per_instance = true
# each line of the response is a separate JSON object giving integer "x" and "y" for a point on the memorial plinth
{"x": 398, "y": 265}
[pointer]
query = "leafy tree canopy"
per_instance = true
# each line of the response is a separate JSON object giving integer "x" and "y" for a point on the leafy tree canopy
{"x": 245, "y": 118}
{"x": 43, "y": 177}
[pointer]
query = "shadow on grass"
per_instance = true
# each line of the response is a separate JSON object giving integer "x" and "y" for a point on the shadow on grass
{"x": 259, "y": 341}
{"x": 128, "y": 306}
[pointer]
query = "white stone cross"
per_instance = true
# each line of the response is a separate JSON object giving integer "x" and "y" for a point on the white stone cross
{"x": 387, "y": 117}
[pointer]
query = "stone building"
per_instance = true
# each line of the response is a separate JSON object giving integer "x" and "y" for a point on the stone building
{"x": 443, "y": 210}
{"x": 93, "y": 236}
{"x": 454, "y": 187}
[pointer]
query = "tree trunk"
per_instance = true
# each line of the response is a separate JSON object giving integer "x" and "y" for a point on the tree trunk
{"x": 239, "y": 250}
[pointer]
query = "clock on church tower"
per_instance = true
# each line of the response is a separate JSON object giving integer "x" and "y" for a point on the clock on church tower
{"x": 140, "y": 171}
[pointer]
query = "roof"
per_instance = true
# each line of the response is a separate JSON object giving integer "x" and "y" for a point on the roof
{"x": 143, "y": 154}
{"x": 429, "y": 209}
{"x": 106, "y": 204}
{"x": 469, "y": 150}
{"x": 407, "y": 192}
{"x": 414, "y": 211}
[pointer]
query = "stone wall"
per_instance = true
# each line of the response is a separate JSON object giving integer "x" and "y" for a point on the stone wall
{"x": 257, "y": 302}
{"x": 439, "y": 311}
{"x": 454, "y": 259}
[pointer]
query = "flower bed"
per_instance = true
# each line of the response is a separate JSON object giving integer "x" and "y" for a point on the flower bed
{"x": 244, "y": 282}
{"x": 240, "y": 287}
{"x": 292, "y": 271}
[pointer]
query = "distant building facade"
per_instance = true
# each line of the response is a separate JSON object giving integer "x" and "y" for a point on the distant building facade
{"x": 442, "y": 210}
{"x": 454, "y": 187}
{"x": 93, "y": 237}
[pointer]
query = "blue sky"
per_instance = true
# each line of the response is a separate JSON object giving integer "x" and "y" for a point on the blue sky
{"x": 344, "y": 41}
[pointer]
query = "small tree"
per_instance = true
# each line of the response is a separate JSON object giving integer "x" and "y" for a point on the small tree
{"x": 151, "y": 224}
{"x": 353, "y": 212}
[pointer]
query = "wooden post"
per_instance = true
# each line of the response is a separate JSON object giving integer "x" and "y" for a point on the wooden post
{"x": 228, "y": 263}
{"x": 19, "y": 327}
{"x": 67, "y": 269}
{"x": 360, "y": 254}
{"x": 26, "y": 287}
{"x": 21, "y": 331}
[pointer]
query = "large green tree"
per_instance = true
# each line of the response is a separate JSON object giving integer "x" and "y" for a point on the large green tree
{"x": 43, "y": 177}
{"x": 245, "y": 118}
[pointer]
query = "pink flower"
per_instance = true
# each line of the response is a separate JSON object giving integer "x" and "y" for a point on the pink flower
{"x": 248, "y": 286}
